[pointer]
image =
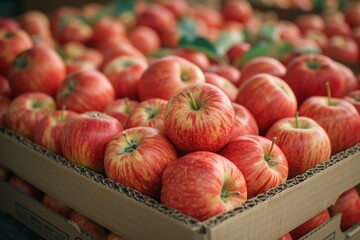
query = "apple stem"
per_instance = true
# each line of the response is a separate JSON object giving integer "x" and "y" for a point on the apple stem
{"x": 297, "y": 119}
{"x": 193, "y": 102}
{"x": 127, "y": 106}
{"x": 268, "y": 156}
{"x": 328, "y": 92}
{"x": 62, "y": 114}
{"x": 152, "y": 113}
{"x": 225, "y": 194}
{"x": 123, "y": 133}
{"x": 132, "y": 145}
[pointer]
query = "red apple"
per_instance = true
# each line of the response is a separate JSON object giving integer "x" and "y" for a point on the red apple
{"x": 227, "y": 71}
{"x": 38, "y": 69}
{"x": 78, "y": 51}
{"x": 225, "y": 85}
{"x": 166, "y": 76}
{"x": 348, "y": 204}
{"x": 83, "y": 91}
{"x": 47, "y": 131}
{"x": 338, "y": 117}
{"x": 351, "y": 14}
{"x": 196, "y": 57}
{"x": 26, "y": 110}
{"x": 202, "y": 185}
{"x": 148, "y": 113}
{"x": 318, "y": 37}
{"x": 268, "y": 98}
{"x": 91, "y": 10}
{"x": 121, "y": 109}
{"x": 5, "y": 87}
{"x": 84, "y": 138}
{"x": 61, "y": 14}
{"x": 25, "y": 187}
{"x": 354, "y": 98}
{"x": 309, "y": 22}
{"x": 245, "y": 122}
{"x": 108, "y": 29}
{"x": 350, "y": 81}
{"x": 124, "y": 74}
{"x": 199, "y": 117}
{"x": 260, "y": 160}
{"x": 9, "y": 24}
{"x": 262, "y": 64}
{"x": 310, "y": 225}
{"x": 178, "y": 8}
{"x": 303, "y": 141}
{"x": 235, "y": 53}
{"x": 137, "y": 158}
{"x": 11, "y": 44}
{"x": 89, "y": 226}
{"x": 73, "y": 65}
{"x": 342, "y": 49}
{"x": 307, "y": 74}
{"x": 335, "y": 27}
{"x": 239, "y": 11}
{"x": 56, "y": 206}
{"x": 211, "y": 17}
{"x": 145, "y": 39}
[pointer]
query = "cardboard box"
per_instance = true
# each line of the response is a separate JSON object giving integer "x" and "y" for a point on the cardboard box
{"x": 134, "y": 216}
{"x": 36, "y": 216}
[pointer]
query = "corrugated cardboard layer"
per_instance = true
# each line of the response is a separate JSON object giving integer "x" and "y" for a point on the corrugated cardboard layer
{"x": 123, "y": 210}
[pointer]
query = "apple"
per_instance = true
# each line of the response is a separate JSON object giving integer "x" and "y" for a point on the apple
{"x": 336, "y": 27}
{"x": 178, "y": 8}
{"x": 310, "y": 225}
{"x": 262, "y": 64}
{"x": 47, "y": 131}
{"x": 60, "y": 15}
{"x": 288, "y": 32}
{"x": 38, "y": 69}
{"x": 3, "y": 174}
{"x": 73, "y": 65}
{"x": 225, "y": 85}
{"x": 113, "y": 236}
{"x": 203, "y": 184}
{"x": 167, "y": 75}
{"x": 351, "y": 14}
{"x": 84, "y": 138}
{"x": 148, "y": 113}
{"x": 145, "y": 39}
{"x": 199, "y": 117}
{"x": 211, "y": 16}
{"x": 88, "y": 225}
{"x": 196, "y": 57}
{"x": 245, "y": 122}
{"x": 5, "y": 87}
{"x": 337, "y": 117}
{"x": 348, "y": 204}
{"x": 239, "y": 11}
{"x": 268, "y": 98}
{"x": 306, "y": 75}
{"x": 303, "y": 141}
{"x": 318, "y": 37}
{"x": 78, "y": 51}
{"x": 354, "y": 98}
{"x": 229, "y": 72}
{"x": 137, "y": 158}
{"x": 124, "y": 74}
{"x": 310, "y": 22}
{"x": 83, "y": 91}
{"x": 4, "y": 105}
{"x": 11, "y": 44}
{"x": 236, "y": 52}
{"x": 25, "y": 187}
{"x": 26, "y": 110}
{"x": 56, "y": 206}
{"x": 108, "y": 29}
{"x": 157, "y": 17}
{"x": 9, "y": 24}
{"x": 342, "y": 49}
{"x": 91, "y": 10}
{"x": 121, "y": 109}
{"x": 260, "y": 160}
{"x": 350, "y": 81}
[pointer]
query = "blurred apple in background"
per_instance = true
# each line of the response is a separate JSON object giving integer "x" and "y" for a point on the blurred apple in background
{"x": 124, "y": 74}
{"x": 303, "y": 141}
{"x": 229, "y": 72}
{"x": 268, "y": 98}
{"x": 26, "y": 110}
{"x": 56, "y": 206}
{"x": 38, "y": 69}
{"x": 11, "y": 44}
{"x": 350, "y": 81}
{"x": 88, "y": 225}
{"x": 137, "y": 157}
{"x": 260, "y": 160}
{"x": 310, "y": 225}
{"x": 237, "y": 51}
{"x": 337, "y": 117}
{"x": 167, "y": 75}
{"x": 202, "y": 185}
{"x": 225, "y": 85}
{"x": 262, "y": 64}
{"x": 196, "y": 57}
{"x": 309, "y": 22}
{"x": 245, "y": 122}
{"x": 199, "y": 117}
{"x": 238, "y": 11}
{"x": 107, "y": 29}
{"x": 8, "y": 23}
{"x": 47, "y": 131}
{"x": 348, "y": 204}
{"x": 83, "y": 91}
{"x": 84, "y": 138}
{"x": 342, "y": 49}
{"x": 354, "y": 98}
{"x": 121, "y": 109}
{"x": 25, "y": 187}
{"x": 318, "y": 37}
{"x": 145, "y": 39}
{"x": 5, "y": 87}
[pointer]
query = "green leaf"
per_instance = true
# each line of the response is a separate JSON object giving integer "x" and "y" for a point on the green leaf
{"x": 122, "y": 6}
{"x": 187, "y": 28}
{"x": 160, "y": 53}
{"x": 226, "y": 40}
{"x": 319, "y": 4}
{"x": 269, "y": 33}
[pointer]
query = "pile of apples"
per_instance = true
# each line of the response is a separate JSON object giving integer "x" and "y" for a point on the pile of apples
{"x": 198, "y": 108}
